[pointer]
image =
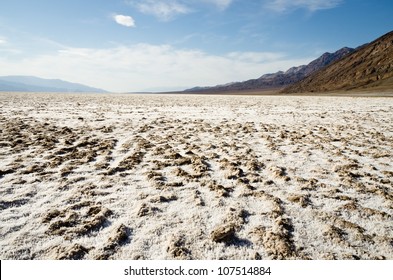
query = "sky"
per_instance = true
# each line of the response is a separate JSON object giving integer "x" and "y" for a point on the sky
{"x": 164, "y": 45}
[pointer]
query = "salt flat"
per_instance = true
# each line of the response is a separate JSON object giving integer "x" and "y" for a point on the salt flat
{"x": 195, "y": 177}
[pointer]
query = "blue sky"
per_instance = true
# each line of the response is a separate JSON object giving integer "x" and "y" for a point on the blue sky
{"x": 139, "y": 45}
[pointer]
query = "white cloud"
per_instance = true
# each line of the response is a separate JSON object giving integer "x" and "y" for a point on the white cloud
{"x": 3, "y": 41}
{"x": 255, "y": 57}
{"x": 311, "y": 5}
{"x": 144, "y": 66}
{"x": 166, "y": 10}
{"x": 7, "y": 48}
{"x": 163, "y": 9}
{"x": 221, "y": 4}
{"x": 124, "y": 20}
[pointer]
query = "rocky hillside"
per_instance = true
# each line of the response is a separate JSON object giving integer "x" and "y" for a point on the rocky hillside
{"x": 280, "y": 79}
{"x": 369, "y": 67}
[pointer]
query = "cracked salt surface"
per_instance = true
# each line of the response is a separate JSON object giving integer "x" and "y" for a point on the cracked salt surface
{"x": 195, "y": 177}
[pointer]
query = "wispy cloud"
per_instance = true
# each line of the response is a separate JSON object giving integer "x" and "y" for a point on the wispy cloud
{"x": 256, "y": 57}
{"x": 124, "y": 20}
{"x": 221, "y": 4}
{"x": 166, "y": 10}
{"x": 311, "y": 5}
{"x": 7, "y": 48}
{"x": 162, "y": 9}
{"x": 145, "y": 66}
{"x": 3, "y": 41}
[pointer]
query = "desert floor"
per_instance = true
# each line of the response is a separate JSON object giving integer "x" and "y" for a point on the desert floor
{"x": 195, "y": 177}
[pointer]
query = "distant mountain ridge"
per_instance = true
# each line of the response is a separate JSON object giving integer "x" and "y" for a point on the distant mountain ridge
{"x": 35, "y": 84}
{"x": 370, "y": 66}
{"x": 280, "y": 79}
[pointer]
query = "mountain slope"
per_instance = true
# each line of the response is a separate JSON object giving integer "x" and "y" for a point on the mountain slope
{"x": 281, "y": 79}
{"x": 34, "y": 84}
{"x": 371, "y": 66}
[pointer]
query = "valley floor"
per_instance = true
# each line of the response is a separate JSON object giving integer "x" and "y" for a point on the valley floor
{"x": 195, "y": 177}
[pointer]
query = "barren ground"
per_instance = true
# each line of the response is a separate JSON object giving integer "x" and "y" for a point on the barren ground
{"x": 195, "y": 177}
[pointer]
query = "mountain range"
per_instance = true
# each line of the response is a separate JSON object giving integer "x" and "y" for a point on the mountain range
{"x": 280, "y": 79}
{"x": 35, "y": 84}
{"x": 370, "y": 65}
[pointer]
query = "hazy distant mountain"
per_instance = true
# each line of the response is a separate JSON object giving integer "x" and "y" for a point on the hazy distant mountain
{"x": 34, "y": 84}
{"x": 280, "y": 79}
{"x": 370, "y": 66}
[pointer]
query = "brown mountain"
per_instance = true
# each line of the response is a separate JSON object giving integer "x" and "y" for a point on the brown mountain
{"x": 369, "y": 67}
{"x": 280, "y": 79}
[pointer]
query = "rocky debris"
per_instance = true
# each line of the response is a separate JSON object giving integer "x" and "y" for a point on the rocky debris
{"x": 177, "y": 248}
{"x": 255, "y": 165}
{"x": 156, "y": 178}
{"x": 5, "y": 204}
{"x": 277, "y": 241}
{"x": 220, "y": 189}
{"x": 224, "y": 233}
{"x": 75, "y": 252}
{"x": 73, "y": 221}
{"x": 6, "y": 172}
{"x": 279, "y": 172}
{"x": 146, "y": 210}
{"x": 303, "y": 200}
{"x": 163, "y": 198}
{"x": 119, "y": 236}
